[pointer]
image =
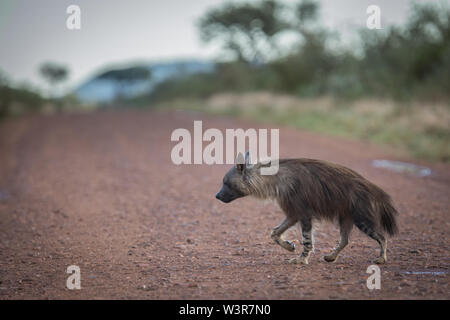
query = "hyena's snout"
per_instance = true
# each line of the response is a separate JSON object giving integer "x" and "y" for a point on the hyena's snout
{"x": 223, "y": 196}
{"x": 227, "y": 194}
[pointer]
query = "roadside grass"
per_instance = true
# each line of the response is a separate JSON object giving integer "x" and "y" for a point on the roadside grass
{"x": 421, "y": 130}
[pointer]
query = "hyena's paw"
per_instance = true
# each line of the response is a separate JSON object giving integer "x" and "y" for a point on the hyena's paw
{"x": 299, "y": 260}
{"x": 380, "y": 260}
{"x": 330, "y": 258}
{"x": 288, "y": 245}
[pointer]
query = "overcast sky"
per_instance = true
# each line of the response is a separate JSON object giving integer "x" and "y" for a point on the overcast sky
{"x": 113, "y": 31}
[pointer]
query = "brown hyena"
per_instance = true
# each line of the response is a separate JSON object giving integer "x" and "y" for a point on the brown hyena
{"x": 308, "y": 190}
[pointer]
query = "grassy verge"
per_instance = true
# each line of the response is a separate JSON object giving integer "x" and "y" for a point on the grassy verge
{"x": 422, "y": 130}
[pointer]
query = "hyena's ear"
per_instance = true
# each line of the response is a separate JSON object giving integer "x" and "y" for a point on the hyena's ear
{"x": 247, "y": 158}
{"x": 240, "y": 162}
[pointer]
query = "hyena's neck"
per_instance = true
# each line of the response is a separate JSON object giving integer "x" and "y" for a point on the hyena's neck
{"x": 262, "y": 186}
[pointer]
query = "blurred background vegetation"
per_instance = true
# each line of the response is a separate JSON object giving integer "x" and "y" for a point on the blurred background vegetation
{"x": 392, "y": 87}
{"x": 405, "y": 63}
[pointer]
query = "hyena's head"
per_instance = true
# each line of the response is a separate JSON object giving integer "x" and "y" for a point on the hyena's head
{"x": 234, "y": 186}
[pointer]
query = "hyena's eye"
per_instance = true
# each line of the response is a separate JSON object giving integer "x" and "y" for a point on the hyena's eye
{"x": 227, "y": 184}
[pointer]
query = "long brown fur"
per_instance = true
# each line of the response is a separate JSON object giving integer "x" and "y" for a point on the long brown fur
{"x": 308, "y": 190}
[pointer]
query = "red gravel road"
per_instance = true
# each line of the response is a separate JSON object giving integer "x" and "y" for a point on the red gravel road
{"x": 99, "y": 191}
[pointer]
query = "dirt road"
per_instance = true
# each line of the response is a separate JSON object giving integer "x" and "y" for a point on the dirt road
{"x": 100, "y": 191}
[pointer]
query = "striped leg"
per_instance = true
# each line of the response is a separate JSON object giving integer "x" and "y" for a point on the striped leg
{"x": 308, "y": 243}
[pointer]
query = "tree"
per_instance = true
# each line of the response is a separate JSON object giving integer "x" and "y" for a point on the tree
{"x": 409, "y": 60}
{"x": 123, "y": 78}
{"x": 53, "y": 73}
{"x": 248, "y": 30}
{"x": 307, "y": 11}
{"x": 306, "y": 68}
{"x": 5, "y": 96}
{"x": 17, "y": 100}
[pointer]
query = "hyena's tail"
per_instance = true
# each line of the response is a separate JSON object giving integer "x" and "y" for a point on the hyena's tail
{"x": 388, "y": 215}
{"x": 373, "y": 211}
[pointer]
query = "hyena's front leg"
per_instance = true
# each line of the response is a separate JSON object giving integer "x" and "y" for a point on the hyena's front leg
{"x": 308, "y": 243}
{"x": 279, "y": 230}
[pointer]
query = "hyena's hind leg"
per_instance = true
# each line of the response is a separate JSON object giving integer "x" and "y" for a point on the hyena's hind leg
{"x": 368, "y": 228}
{"x": 279, "y": 230}
{"x": 345, "y": 225}
{"x": 308, "y": 243}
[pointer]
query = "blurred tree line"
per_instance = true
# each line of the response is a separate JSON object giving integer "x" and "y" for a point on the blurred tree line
{"x": 405, "y": 62}
{"x": 18, "y": 100}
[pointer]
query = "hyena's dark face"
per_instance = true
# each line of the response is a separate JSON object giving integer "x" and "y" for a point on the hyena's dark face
{"x": 232, "y": 186}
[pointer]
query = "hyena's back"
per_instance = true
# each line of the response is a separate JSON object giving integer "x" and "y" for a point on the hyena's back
{"x": 308, "y": 188}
